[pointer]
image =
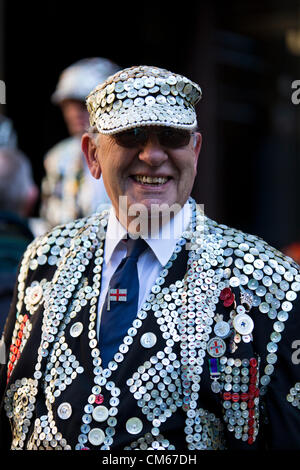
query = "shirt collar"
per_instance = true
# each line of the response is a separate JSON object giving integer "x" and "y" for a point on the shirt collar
{"x": 162, "y": 246}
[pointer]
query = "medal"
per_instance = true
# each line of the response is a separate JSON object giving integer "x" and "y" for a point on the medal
{"x": 214, "y": 368}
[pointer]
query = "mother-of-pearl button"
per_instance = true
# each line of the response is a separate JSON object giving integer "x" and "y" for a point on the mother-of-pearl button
{"x": 100, "y": 413}
{"x": 96, "y": 436}
{"x": 35, "y": 294}
{"x": 134, "y": 425}
{"x": 148, "y": 340}
{"x": 243, "y": 324}
{"x": 64, "y": 410}
{"x": 76, "y": 329}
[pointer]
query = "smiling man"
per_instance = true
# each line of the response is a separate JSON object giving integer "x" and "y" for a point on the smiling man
{"x": 148, "y": 166}
{"x": 143, "y": 139}
{"x": 122, "y": 336}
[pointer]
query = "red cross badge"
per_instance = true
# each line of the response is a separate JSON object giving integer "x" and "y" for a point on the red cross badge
{"x": 216, "y": 347}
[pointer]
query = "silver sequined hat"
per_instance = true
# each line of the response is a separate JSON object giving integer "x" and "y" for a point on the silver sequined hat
{"x": 143, "y": 96}
{"x": 77, "y": 80}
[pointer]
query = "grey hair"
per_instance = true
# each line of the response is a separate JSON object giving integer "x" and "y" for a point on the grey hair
{"x": 15, "y": 179}
{"x": 94, "y": 134}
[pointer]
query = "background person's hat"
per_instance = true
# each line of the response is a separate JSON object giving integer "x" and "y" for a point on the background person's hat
{"x": 143, "y": 96}
{"x": 77, "y": 80}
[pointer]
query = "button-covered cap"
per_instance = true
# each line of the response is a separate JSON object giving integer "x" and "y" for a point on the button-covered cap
{"x": 143, "y": 96}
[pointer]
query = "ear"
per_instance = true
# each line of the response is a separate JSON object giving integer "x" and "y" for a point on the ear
{"x": 197, "y": 147}
{"x": 89, "y": 149}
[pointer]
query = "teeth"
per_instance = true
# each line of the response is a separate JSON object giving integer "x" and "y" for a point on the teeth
{"x": 150, "y": 180}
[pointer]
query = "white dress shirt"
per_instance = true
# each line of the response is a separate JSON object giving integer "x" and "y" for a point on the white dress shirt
{"x": 150, "y": 262}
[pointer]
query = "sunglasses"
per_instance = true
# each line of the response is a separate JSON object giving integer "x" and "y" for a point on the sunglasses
{"x": 167, "y": 137}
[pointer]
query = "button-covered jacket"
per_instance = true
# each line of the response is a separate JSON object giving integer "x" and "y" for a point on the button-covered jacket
{"x": 210, "y": 362}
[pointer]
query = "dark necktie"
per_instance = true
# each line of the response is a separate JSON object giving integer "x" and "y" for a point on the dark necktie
{"x": 121, "y": 303}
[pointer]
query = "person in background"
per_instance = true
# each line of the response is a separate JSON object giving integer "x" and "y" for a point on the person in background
{"x": 8, "y": 136}
{"x": 18, "y": 196}
{"x": 68, "y": 191}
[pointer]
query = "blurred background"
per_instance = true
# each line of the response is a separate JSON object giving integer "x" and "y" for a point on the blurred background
{"x": 245, "y": 56}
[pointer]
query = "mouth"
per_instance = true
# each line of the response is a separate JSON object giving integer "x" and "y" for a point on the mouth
{"x": 151, "y": 180}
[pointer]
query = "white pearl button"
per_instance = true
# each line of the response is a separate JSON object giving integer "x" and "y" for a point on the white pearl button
{"x": 64, "y": 410}
{"x": 36, "y": 294}
{"x": 76, "y": 329}
{"x": 148, "y": 340}
{"x": 96, "y": 436}
{"x": 100, "y": 413}
{"x": 243, "y": 324}
{"x": 134, "y": 426}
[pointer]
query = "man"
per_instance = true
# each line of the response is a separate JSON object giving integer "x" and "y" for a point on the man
{"x": 18, "y": 196}
{"x": 68, "y": 190}
{"x": 139, "y": 332}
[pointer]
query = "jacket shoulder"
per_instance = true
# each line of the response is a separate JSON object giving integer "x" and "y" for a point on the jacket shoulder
{"x": 249, "y": 248}
{"x": 50, "y": 249}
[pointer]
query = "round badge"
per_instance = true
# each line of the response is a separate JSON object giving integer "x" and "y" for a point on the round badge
{"x": 243, "y": 324}
{"x": 96, "y": 436}
{"x": 100, "y": 413}
{"x": 216, "y": 347}
{"x": 76, "y": 329}
{"x": 222, "y": 329}
{"x": 134, "y": 425}
{"x": 64, "y": 410}
{"x": 148, "y": 340}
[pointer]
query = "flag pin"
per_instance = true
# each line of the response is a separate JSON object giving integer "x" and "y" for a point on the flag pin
{"x": 116, "y": 295}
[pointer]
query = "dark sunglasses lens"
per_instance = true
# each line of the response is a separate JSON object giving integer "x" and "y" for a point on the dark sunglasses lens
{"x": 171, "y": 138}
{"x": 174, "y": 138}
{"x": 131, "y": 138}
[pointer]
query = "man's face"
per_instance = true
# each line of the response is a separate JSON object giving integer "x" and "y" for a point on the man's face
{"x": 75, "y": 115}
{"x": 128, "y": 166}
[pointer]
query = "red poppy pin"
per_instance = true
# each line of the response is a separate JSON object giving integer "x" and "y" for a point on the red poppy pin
{"x": 227, "y": 297}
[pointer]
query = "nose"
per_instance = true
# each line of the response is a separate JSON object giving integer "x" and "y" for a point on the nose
{"x": 152, "y": 152}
